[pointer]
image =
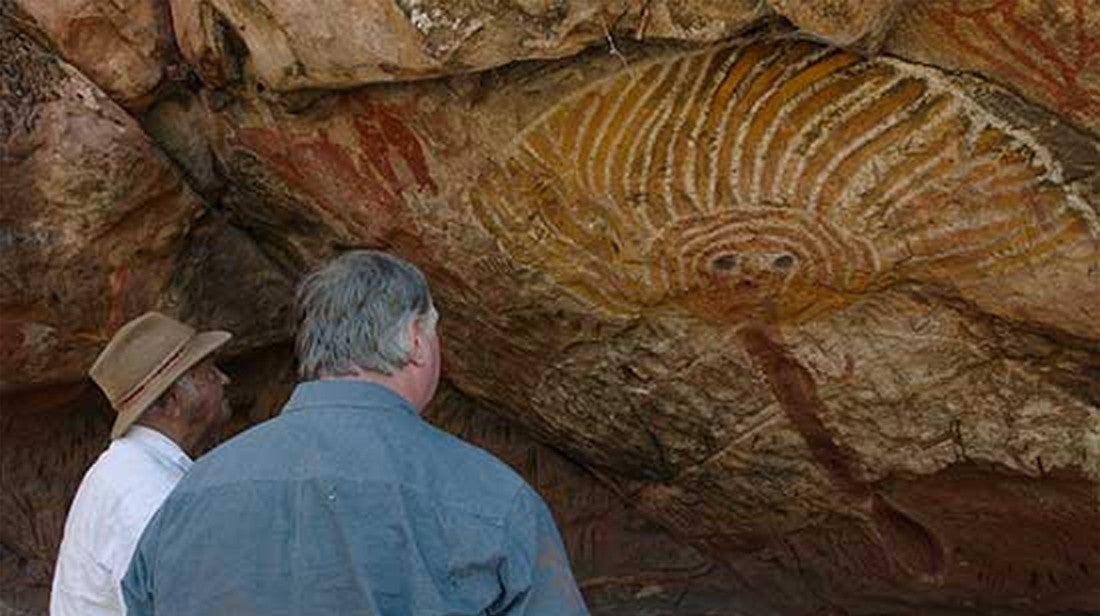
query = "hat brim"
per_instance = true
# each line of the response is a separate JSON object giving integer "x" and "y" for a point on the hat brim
{"x": 196, "y": 350}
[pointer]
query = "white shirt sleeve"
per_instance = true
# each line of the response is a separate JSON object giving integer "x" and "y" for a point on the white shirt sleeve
{"x": 123, "y": 538}
{"x": 115, "y": 501}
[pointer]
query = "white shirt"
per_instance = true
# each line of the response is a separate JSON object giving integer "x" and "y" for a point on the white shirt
{"x": 116, "y": 499}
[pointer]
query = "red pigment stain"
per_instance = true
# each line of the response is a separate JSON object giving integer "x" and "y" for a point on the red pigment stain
{"x": 11, "y": 338}
{"x": 312, "y": 165}
{"x": 385, "y": 160}
{"x": 1024, "y": 54}
{"x": 119, "y": 283}
{"x": 383, "y": 136}
{"x": 903, "y": 539}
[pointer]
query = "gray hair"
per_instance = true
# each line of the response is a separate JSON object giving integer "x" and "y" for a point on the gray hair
{"x": 185, "y": 382}
{"x": 354, "y": 312}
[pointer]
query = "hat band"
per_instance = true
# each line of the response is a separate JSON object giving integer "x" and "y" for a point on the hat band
{"x": 161, "y": 368}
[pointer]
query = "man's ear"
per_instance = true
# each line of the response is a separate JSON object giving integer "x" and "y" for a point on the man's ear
{"x": 418, "y": 343}
{"x": 173, "y": 402}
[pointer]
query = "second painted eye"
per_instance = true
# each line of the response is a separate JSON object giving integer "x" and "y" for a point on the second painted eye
{"x": 725, "y": 262}
{"x": 784, "y": 262}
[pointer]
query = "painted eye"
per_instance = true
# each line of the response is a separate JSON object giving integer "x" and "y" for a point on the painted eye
{"x": 725, "y": 262}
{"x": 784, "y": 262}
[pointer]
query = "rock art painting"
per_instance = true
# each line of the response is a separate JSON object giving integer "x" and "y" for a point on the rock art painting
{"x": 772, "y": 183}
{"x": 1049, "y": 50}
{"x": 765, "y": 186}
{"x": 355, "y": 170}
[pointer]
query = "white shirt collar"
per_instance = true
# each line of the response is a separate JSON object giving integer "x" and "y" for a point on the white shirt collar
{"x": 160, "y": 446}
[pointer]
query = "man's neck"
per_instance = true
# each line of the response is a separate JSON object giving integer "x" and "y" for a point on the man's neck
{"x": 192, "y": 444}
{"x": 398, "y": 383}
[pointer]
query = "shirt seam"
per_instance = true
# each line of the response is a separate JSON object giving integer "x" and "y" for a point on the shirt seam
{"x": 513, "y": 505}
{"x": 346, "y": 405}
{"x": 500, "y": 520}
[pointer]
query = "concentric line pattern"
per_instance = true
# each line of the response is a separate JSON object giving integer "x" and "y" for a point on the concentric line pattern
{"x": 773, "y": 180}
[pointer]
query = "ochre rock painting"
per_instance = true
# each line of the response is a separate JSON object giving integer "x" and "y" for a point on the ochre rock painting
{"x": 1050, "y": 51}
{"x": 357, "y": 189}
{"x": 771, "y": 183}
{"x": 775, "y": 191}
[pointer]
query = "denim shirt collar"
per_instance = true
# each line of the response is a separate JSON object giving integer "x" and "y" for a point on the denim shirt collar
{"x": 345, "y": 393}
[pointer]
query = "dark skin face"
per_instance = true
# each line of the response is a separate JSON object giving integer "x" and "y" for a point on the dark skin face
{"x": 192, "y": 416}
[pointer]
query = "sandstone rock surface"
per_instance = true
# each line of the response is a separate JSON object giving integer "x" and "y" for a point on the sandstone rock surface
{"x": 292, "y": 45}
{"x": 843, "y": 22}
{"x": 124, "y": 47}
{"x": 1047, "y": 51}
{"x": 92, "y": 216}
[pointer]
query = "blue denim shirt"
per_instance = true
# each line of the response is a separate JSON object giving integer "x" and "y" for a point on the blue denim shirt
{"x": 349, "y": 503}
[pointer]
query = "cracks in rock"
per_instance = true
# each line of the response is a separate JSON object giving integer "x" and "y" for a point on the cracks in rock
{"x": 1070, "y": 363}
{"x": 647, "y": 579}
{"x": 29, "y": 74}
{"x": 231, "y": 43}
{"x": 961, "y": 454}
{"x": 662, "y": 457}
{"x": 612, "y": 48}
{"x": 264, "y": 210}
{"x": 903, "y": 540}
{"x": 807, "y": 582}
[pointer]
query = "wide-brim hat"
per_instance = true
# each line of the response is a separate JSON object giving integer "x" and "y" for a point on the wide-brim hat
{"x": 144, "y": 359}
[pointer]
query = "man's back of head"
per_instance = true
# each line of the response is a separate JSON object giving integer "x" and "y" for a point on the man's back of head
{"x": 369, "y": 315}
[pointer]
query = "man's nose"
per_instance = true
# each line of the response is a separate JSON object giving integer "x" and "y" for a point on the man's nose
{"x": 223, "y": 377}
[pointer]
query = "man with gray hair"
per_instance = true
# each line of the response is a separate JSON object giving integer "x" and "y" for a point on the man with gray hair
{"x": 348, "y": 502}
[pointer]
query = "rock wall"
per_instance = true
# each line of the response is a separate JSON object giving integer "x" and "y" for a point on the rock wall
{"x": 93, "y": 216}
{"x": 810, "y": 286}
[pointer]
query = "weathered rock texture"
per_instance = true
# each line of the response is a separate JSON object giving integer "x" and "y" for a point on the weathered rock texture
{"x": 1047, "y": 51}
{"x": 843, "y": 22}
{"x": 92, "y": 215}
{"x": 43, "y": 456}
{"x": 124, "y": 47}
{"x": 293, "y": 45}
{"x": 829, "y": 318}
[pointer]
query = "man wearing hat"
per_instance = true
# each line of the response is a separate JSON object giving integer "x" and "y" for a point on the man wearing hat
{"x": 161, "y": 380}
